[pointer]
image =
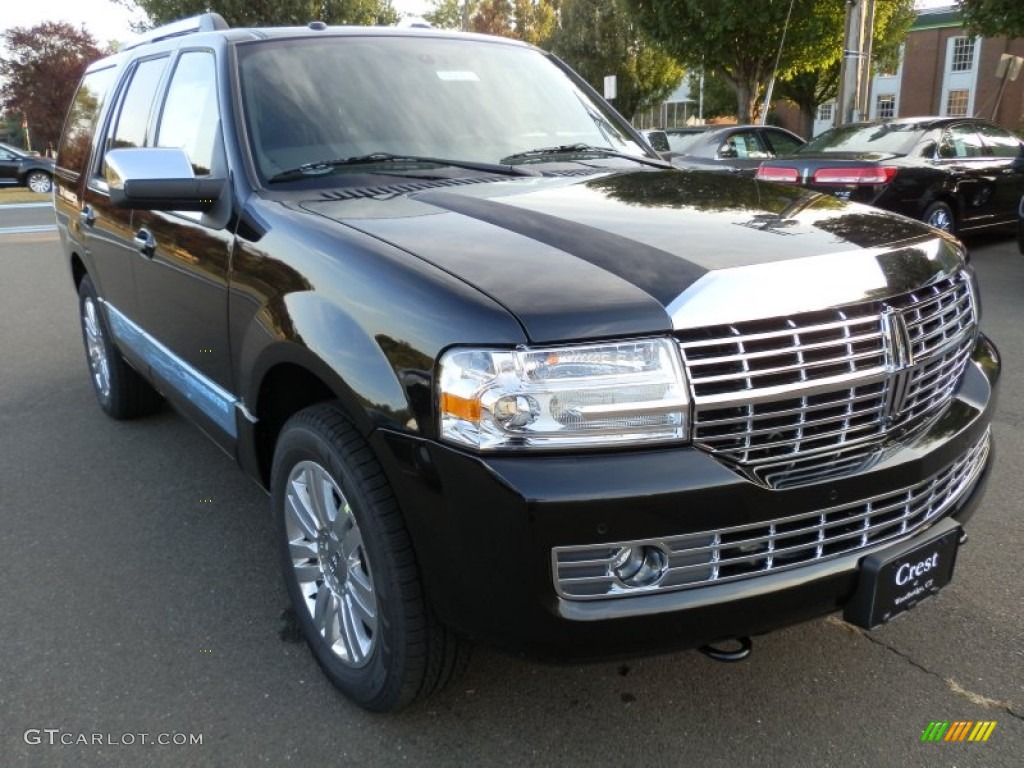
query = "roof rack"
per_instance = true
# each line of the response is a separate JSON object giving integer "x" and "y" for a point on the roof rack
{"x": 206, "y": 22}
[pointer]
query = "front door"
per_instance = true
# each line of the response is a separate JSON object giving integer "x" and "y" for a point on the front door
{"x": 182, "y": 263}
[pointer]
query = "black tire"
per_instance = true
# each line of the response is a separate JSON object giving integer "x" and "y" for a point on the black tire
{"x": 122, "y": 393}
{"x": 940, "y": 215}
{"x": 375, "y": 637}
{"x": 39, "y": 181}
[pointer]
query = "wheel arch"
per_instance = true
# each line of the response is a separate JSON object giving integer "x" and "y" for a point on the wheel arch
{"x": 78, "y": 270}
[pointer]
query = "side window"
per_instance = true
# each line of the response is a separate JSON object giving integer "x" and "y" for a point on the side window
{"x": 783, "y": 143}
{"x": 999, "y": 142}
{"x": 743, "y": 146}
{"x": 961, "y": 141}
{"x": 129, "y": 130}
{"x": 190, "y": 116}
{"x": 73, "y": 150}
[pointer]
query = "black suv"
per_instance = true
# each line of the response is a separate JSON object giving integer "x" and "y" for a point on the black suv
{"x": 505, "y": 374}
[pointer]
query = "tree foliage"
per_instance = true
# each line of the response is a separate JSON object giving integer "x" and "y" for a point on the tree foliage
{"x": 264, "y": 13}
{"x": 809, "y": 86}
{"x": 598, "y": 38}
{"x": 529, "y": 20}
{"x": 740, "y": 39}
{"x": 39, "y": 73}
{"x": 993, "y": 18}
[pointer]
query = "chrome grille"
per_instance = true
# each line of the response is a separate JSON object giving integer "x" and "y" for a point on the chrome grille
{"x": 800, "y": 399}
{"x": 727, "y": 554}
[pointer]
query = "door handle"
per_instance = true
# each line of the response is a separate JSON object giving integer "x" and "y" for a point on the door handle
{"x": 145, "y": 242}
{"x": 87, "y": 216}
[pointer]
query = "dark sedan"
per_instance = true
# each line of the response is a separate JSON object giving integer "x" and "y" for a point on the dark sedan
{"x": 955, "y": 173}
{"x": 19, "y": 168}
{"x": 735, "y": 148}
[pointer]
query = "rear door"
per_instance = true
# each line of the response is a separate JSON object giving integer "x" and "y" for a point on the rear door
{"x": 971, "y": 173}
{"x": 105, "y": 230}
{"x": 1007, "y": 153}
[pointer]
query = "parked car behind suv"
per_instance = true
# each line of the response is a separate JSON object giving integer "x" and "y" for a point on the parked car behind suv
{"x": 505, "y": 374}
{"x": 19, "y": 168}
{"x": 955, "y": 173}
{"x": 733, "y": 148}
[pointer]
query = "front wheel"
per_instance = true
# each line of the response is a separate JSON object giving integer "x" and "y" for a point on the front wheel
{"x": 39, "y": 181}
{"x": 940, "y": 216}
{"x": 350, "y": 568}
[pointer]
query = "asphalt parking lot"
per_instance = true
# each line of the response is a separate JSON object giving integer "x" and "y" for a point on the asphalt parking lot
{"x": 141, "y": 595}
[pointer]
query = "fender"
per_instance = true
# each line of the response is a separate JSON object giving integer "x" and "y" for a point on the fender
{"x": 322, "y": 339}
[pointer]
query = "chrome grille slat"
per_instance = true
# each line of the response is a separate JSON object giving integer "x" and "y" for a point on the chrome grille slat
{"x": 710, "y": 423}
{"x": 778, "y": 398}
{"x": 849, "y": 359}
{"x": 793, "y": 349}
{"x": 788, "y": 333}
{"x": 741, "y": 551}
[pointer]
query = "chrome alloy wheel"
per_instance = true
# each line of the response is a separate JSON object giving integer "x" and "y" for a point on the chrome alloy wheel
{"x": 99, "y": 363}
{"x": 330, "y": 564}
{"x": 39, "y": 182}
{"x": 940, "y": 218}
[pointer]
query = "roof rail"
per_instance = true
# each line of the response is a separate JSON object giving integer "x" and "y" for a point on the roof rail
{"x": 206, "y": 22}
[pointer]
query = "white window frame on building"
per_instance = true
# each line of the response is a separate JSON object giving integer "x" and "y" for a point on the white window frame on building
{"x": 884, "y": 107}
{"x": 886, "y": 86}
{"x": 960, "y": 74}
{"x": 824, "y": 117}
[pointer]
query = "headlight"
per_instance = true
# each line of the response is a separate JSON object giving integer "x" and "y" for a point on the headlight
{"x": 585, "y": 395}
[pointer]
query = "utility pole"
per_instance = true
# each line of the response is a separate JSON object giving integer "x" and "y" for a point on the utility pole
{"x": 867, "y": 41}
{"x": 850, "y": 71}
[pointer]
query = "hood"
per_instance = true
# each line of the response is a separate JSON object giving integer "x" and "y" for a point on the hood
{"x": 612, "y": 254}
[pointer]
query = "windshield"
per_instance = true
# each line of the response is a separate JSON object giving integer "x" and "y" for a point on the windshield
{"x": 895, "y": 138}
{"x": 309, "y": 102}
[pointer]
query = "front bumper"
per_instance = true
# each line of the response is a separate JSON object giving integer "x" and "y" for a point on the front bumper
{"x": 484, "y": 529}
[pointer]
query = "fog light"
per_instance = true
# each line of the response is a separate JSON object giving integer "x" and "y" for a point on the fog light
{"x": 639, "y": 566}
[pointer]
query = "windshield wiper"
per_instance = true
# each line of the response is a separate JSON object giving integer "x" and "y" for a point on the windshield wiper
{"x": 322, "y": 167}
{"x": 579, "y": 149}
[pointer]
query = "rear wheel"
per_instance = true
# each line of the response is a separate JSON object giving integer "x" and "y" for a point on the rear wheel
{"x": 39, "y": 181}
{"x": 122, "y": 393}
{"x": 940, "y": 216}
{"x": 350, "y": 568}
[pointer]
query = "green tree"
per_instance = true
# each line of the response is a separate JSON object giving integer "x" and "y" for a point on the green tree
{"x": 740, "y": 39}
{"x": 529, "y": 20}
{"x": 39, "y": 73}
{"x": 993, "y": 18}
{"x": 447, "y": 14}
{"x": 812, "y": 83}
{"x": 719, "y": 97}
{"x": 262, "y": 13}
{"x": 598, "y": 38}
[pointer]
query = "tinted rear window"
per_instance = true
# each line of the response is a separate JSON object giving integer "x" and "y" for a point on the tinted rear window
{"x": 884, "y": 137}
{"x": 682, "y": 142}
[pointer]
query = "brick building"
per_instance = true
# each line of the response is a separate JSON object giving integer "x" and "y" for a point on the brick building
{"x": 943, "y": 72}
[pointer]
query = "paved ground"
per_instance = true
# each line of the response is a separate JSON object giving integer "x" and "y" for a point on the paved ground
{"x": 130, "y": 605}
